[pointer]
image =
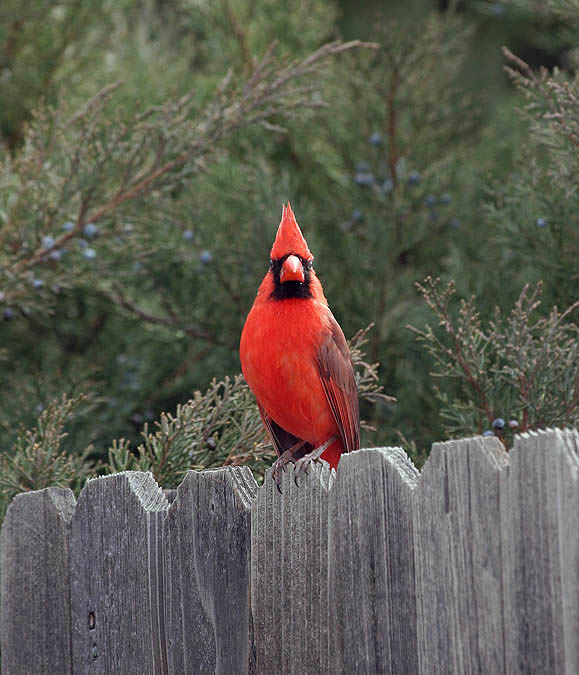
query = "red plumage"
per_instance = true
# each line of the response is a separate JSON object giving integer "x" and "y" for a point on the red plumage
{"x": 295, "y": 358}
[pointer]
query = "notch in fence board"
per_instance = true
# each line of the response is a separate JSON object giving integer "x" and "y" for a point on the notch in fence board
{"x": 372, "y": 620}
{"x": 117, "y": 581}
{"x": 34, "y": 591}
{"x": 540, "y": 497}
{"x": 207, "y": 531}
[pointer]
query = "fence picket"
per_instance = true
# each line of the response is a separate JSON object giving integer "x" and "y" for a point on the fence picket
{"x": 116, "y": 570}
{"x": 207, "y": 531}
{"x": 540, "y": 497}
{"x": 289, "y": 574}
{"x": 34, "y": 591}
{"x": 372, "y": 601}
{"x": 458, "y": 558}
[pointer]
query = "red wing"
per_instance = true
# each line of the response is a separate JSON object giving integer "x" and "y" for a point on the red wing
{"x": 281, "y": 439}
{"x": 337, "y": 375}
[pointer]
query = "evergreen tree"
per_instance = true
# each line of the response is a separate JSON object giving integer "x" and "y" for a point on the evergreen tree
{"x": 146, "y": 150}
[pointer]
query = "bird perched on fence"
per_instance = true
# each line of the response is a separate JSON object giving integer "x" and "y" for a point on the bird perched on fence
{"x": 296, "y": 360}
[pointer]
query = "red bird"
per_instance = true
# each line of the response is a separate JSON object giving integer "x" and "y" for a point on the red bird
{"x": 296, "y": 361}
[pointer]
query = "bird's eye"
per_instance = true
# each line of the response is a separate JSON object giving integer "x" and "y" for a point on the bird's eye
{"x": 309, "y": 264}
{"x": 271, "y": 264}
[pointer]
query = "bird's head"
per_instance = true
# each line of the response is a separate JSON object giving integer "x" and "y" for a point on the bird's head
{"x": 291, "y": 262}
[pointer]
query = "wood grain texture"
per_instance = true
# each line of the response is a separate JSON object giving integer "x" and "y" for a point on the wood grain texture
{"x": 458, "y": 556}
{"x": 372, "y": 618}
{"x": 289, "y": 574}
{"x": 117, "y": 576}
{"x": 471, "y": 567}
{"x": 207, "y": 531}
{"x": 34, "y": 588}
{"x": 540, "y": 498}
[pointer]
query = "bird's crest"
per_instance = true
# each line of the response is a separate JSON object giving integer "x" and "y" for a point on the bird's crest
{"x": 289, "y": 237}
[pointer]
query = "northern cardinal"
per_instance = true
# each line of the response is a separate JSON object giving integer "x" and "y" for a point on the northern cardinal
{"x": 296, "y": 361}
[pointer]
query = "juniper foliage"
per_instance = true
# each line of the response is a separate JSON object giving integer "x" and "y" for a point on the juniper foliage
{"x": 536, "y": 210}
{"x": 516, "y": 373}
{"x": 39, "y": 459}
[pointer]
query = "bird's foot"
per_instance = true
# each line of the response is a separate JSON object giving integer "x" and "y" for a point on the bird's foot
{"x": 283, "y": 460}
{"x": 302, "y": 465}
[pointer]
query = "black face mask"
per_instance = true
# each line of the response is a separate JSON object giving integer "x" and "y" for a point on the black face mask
{"x": 290, "y": 289}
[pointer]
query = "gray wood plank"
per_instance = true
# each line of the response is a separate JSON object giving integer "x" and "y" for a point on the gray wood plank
{"x": 34, "y": 587}
{"x": 458, "y": 558}
{"x": 289, "y": 574}
{"x": 372, "y": 601}
{"x": 471, "y": 568}
{"x": 540, "y": 497}
{"x": 207, "y": 531}
{"x": 117, "y": 580}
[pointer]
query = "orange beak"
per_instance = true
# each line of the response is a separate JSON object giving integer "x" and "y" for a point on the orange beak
{"x": 292, "y": 270}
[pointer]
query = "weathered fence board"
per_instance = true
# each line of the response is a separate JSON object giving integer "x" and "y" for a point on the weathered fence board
{"x": 540, "y": 498}
{"x": 471, "y": 567}
{"x": 207, "y": 534}
{"x": 116, "y": 574}
{"x": 34, "y": 592}
{"x": 458, "y": 558}
{"x": 372, "y": 602}
{"x": 289, "y": 574}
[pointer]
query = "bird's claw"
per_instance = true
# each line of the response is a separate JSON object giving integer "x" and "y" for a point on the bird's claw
{"x": 303, "y": 463}
{"x": 301, "y": 467}
{"x": 279, "y": 465}
{"x": 276, "y": 474}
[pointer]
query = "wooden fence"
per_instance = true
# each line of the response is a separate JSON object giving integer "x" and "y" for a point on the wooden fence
{"x": 470, "y": 567}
